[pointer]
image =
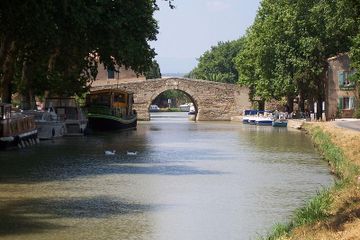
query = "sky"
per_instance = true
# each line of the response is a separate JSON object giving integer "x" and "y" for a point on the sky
{"x": 190, "y": 29}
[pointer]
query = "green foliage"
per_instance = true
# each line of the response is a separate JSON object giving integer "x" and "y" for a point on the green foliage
{"x": 217, "y": 63}
{"x": 315, "y": 210}
{"x": 177, "y": 97}
{"x": 279, "y": 230}
{"x": 58, "y": 48}
{"x": 355, "y": 58}
{"x": 286, "y": 49}
{"x": 174, "y": 94}
{"x": 357, "y": 112}
{"x": 154, "y": 71}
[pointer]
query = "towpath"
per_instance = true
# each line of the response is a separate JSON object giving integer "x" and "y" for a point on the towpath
{"x": 354, "y": 124}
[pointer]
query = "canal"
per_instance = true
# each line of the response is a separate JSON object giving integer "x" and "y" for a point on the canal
{"x": 188, "y": 180}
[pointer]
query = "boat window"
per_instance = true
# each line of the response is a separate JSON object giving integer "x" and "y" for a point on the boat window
{"x": 100, "y": 99}
{"x": 111, "y": 74}
{"x": 60, "y": 102}
{"x": 119, "y": 97}
{"x": 7, "y": 112}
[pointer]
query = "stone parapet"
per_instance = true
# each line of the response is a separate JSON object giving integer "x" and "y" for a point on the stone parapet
{"x": 213, "y": 101}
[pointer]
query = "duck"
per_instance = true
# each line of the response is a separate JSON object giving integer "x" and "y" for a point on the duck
{"x": 108, "y": 152}
{"x": 132, "y": 153}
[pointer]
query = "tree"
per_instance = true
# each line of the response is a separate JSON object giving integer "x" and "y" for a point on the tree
{"x": 287, "y": 47}
{"x": 58, "y": 48}
{"x": 217, "y": 64}
{"x": 154, "y": 71}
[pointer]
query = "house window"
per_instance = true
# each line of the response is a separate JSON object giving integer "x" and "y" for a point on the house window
{"x": 344, "y": 80}
{"x": 111, "y": 74}
{"x": 346, "y": 103}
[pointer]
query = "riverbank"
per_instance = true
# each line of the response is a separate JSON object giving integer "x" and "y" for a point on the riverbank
{"x": 334, "y": 213}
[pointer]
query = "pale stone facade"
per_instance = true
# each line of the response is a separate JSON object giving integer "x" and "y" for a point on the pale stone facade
{"x": 341, "y": 94}
{"x": 212, "y": 100}
{"x": 105, "y": 77}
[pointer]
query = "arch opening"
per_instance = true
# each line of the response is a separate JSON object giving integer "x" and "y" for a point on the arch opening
{"x": 174, "y": 100}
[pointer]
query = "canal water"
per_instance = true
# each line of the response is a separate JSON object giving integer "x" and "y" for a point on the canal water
{"x": 188, "y": 180}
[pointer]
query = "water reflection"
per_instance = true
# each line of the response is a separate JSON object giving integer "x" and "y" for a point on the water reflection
{"x": 189, "y": 180}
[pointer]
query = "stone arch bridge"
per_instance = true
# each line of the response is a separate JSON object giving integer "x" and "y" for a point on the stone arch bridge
{"x": 212, "y": 100}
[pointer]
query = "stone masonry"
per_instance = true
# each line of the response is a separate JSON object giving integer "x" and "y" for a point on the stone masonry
{"x": 212, "y": 100}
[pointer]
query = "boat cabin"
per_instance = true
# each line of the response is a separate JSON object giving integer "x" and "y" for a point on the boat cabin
{"x": 110, "y": 102}
{"x": 65, "y": 108}
{"x": 5, "y": 111}
{"x": 15, "y": 126}
{"x": 69, "y": 112}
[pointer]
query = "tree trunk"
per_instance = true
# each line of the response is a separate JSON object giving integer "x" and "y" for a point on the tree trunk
{"x": 4, "y": 48}
{"x": 261, "y": 105}
{"x": 321, "y": 90}
{"x": 27, "y": 93}
{"x": 8, "y": 74}
{"x": 289, "y": 104}
{"x": 302, "y": 101}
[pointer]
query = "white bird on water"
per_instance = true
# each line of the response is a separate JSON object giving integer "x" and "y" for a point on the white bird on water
{"x": 108, "y": 152}
{"x": 132, "y": 153}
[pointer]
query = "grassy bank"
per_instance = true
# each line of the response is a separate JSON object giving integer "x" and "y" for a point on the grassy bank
{"x": 333, "y": 213}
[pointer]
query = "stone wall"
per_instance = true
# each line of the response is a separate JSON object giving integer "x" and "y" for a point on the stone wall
{"x": 123, "y": 75}
{"x": 213, "y": 101}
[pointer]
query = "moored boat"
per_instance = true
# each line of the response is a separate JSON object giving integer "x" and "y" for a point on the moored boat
{"x": 279, "y": 123}
{"x": 69, "y": 112}
{"x": 185, "y": 107}
{"x": 48, "y": 124}
{"x": 192, "y": 110}
{"x": 111, "y": 109}
{"x": 16, "y": 129}
{"x": 263, "y": 121}
{"x": 279, "y": 119}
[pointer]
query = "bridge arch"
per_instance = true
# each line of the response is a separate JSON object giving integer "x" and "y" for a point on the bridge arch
{"x": 213, "y": 100}
{"x": 193, "y": 98}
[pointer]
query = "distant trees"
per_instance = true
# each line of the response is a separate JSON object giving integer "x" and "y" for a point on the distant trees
{"x": 55, "y": 46}
{"x": 153, "y": 71}
{"x": 284, "y": 53}
{"x": 217, "y": 64}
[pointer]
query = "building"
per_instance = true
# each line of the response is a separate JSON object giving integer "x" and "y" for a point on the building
{"x": 341, "y": 95}
{"x": 119, "y": 75}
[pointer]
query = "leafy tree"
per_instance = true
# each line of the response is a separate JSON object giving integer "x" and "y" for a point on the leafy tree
{"x": 217, "y": 64}
{"x": 58, "y": 48}
{"x": 287, "y": 47}
{"x": 154, "y": 71}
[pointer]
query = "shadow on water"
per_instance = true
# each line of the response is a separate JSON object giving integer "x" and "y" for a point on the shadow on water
{"x": 32, "y": 166}
{"x": 33, "y": 215}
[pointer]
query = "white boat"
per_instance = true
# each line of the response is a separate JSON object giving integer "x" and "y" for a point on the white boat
{"x": 249, "y": 116}
{"x": 154, "y": 108}
{"x": 48, "y": 124}
{"x": 70, "y": 113}
{"x": 185, "y": 107}
{"x": 263, "y": 120}
{"x": 192, "y": 110}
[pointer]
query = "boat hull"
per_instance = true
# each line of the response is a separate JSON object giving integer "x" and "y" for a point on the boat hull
{"x": 279, "y": 124}
{"x": 50, "y": 130}
{"x": 20, "y": 140}
{"x": 110, "y": 123}
{"x": 264, "y": 122}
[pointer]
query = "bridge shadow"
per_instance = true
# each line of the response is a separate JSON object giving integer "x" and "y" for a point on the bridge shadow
{"x": 35, "y": 215}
